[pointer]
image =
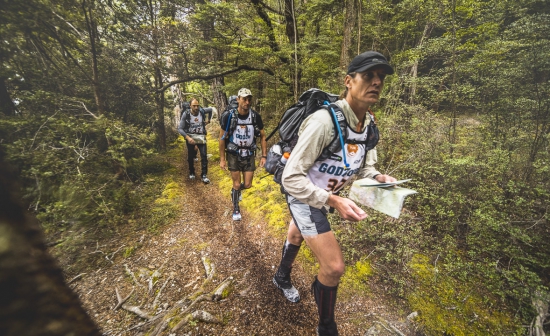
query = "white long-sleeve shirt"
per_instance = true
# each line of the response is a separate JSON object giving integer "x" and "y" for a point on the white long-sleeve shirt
{"x": 316, "y": 133}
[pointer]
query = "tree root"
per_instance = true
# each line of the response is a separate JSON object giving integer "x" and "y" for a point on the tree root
{"x": 223, "y": 290}
{"x": 121, "y": 301}
{"x": 155, "y": 302}
{"x": 137, "y": 310}
{"x": 186, "y": 308}
{"x": 131, "y": 274}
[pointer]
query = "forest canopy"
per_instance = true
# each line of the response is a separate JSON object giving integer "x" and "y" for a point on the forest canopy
{"x": 89, "y": 90}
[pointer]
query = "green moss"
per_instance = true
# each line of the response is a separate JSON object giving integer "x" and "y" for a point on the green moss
{"x": 447, "y": 306}
{"x": 201, "y": 247}
{"x": 174, "y": 322}
{"x": 356, "y": 276}
{"x": 228, "y": 290}
{"x": 129, "y": 251}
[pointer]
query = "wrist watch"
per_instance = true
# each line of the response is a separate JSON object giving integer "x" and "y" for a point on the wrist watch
{"x": 374, "y": 176}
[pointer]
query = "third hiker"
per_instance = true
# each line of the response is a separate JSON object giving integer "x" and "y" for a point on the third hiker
{"x": 193, "y": 128}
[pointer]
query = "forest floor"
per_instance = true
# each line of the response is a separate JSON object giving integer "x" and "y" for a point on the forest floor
{"x": 171, "y": 273}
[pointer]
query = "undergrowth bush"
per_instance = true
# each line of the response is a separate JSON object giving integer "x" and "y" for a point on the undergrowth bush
{"x": 81, "y": 173}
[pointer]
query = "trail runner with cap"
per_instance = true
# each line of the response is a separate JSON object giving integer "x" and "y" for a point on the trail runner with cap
{"x": 193, "y": 128}
{"x": 312, "y": 186}
{"x": 238, "y": 146}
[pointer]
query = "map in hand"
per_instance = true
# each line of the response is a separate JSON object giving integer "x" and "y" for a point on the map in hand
{"x": 384, "y": 197}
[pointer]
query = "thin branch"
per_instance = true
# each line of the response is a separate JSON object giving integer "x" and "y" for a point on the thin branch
{"x": 120, "y": 300}
{"x": 86, "y": 109}
{"x": 211, "y": 76}
{"x": 76, "y": 278}
{"x": 271, "y": 9}
{"x": 39, "y": 128}
{"x": 68, "y": 23}
{"x": 137, "y": 310}
{"x": 132, "y": 275}
{"x": 155, "y": 302}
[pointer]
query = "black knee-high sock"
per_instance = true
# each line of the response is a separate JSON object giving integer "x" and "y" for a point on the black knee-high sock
{"x": 288, "y": 255}
{"x": 325, "y": 297}
{"x": 235, "y": 199}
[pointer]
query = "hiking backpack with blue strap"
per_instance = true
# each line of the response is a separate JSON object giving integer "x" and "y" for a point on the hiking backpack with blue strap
{"x": 310, "y": 102}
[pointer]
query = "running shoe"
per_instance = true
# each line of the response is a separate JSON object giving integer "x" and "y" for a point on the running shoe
{"x": 205, "y": 179}
{"x": 289, "y": 291}
{"x": 192, "y": 176}
{"x": 236, "y": 215}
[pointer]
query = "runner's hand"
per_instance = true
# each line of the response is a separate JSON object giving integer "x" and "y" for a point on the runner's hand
{"x": 191, "y": 141}
{"x": 347, "y": 209}
{"x": 385, "y": 178}
{"x": 223, "y": 164}
{"x": 262, "y": 162}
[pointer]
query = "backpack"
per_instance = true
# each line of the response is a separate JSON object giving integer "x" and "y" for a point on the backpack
{"x": 310, "y": 102}
{"x": 184, "y": 106}
{"x": 232, "y": 105}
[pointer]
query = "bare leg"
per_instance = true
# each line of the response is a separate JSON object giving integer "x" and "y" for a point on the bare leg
{"x": 236, "y": 177}
{"x": 294, "y": 236}
{"x": 248, "y": 175}
{"x": 328, "y": 252}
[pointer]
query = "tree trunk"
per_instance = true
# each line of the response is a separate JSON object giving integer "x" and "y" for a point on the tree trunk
{"x": 159, "y": 99}
{"x": 159, "y": 95}
{"x": 273, "y": 45}
{"x": 6, "y": 104}
{"x": 350, "y": 18}
{"x": 34, "y": 298}
{"x": 220, "y": 98}
{"x": 91, "y": 26}
{"x": 414, "y": 69}
{"x": 217, "y": 83}
{"x": 294, "y": 38}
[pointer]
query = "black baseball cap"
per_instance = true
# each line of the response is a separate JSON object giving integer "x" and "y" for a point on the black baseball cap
{"x": 367, "y": 60}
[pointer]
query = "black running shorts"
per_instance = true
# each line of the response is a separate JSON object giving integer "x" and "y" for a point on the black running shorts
{"x": 236, "y": 163}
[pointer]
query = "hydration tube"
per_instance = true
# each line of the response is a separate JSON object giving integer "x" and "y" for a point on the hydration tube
{"x": 346, "y": 164}
{"x": 228, "y": 123}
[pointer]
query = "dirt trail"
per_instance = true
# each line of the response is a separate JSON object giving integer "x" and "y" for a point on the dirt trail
{"x": 243, "y": 250}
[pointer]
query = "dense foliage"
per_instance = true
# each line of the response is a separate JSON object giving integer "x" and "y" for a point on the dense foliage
{"x": 87, "y": 89}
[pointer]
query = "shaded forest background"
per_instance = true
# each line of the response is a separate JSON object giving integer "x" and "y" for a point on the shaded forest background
{"x": 88, "y": 89}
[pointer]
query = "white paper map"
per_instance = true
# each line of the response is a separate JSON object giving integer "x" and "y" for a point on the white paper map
{"x": 199, "y": 138}
{"x": 384, "y": 197}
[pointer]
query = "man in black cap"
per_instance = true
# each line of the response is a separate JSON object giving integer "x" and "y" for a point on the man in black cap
{"x": 312, "y": 186}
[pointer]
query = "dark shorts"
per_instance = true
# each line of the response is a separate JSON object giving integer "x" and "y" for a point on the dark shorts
{"x": 309, "y": 220}
{"x": 236, "y": 163}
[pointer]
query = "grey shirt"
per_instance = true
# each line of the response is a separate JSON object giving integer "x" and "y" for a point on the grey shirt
{"x": 316, "y": 132}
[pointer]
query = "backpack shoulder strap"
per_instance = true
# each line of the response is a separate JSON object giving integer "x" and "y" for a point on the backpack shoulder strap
{"x": 341, "y": 132}
{"x": 187, "y": 115}
{"x": 230, "y": 115}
